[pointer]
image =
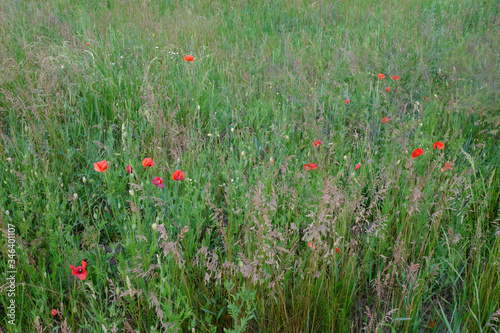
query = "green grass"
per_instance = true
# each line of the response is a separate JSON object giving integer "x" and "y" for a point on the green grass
{"x": 226, "y": 250}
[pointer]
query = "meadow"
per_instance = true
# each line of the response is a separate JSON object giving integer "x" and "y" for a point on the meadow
{"x": 324, "y": 166}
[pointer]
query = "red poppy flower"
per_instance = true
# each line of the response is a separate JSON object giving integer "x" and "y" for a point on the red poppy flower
{"x": 438, "y": 145}
{"x": 178, "y": 175}
{"x": 267, "y": 150}
{"x": 129, "y": 169}
{"x": 148, "y": 162}
{"x": 54, "y": 312}
{"x": 87, "y": 44}
{"x": 101, "y": 166}
{"x": 388, "y": 89}
{"x": 158, "y": 182}
{"x": 307, "y": 166}
{"x": 385, "y": 120}
{"x": 357, "y": 166}
{"x": 313, "y": 166}
{"x": 447, "y": 166}
{"x": 317, "y": 143}
{"x": 189, "y": 58}
{"x": 381, "y": 76}
{"x": 431, "y": 323}
{"x": 337, "y": 250}
{"x": 395, "y": 77}
{"x": 347, "y": 101}
{"x": 311, "y": 245}
{"x": 417, "y": 152}
{"x": 79, "y": 271}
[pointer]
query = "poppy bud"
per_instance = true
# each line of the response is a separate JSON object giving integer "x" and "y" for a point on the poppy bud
{"x": 75, "y": 196}
{"x": 84, "y": 180}
{"x": 198, "y": 108}
{"x": 154, "y": 226}
{"x": 54, "y": 312}
{"x": 232, "y": 129}
{"x": 345, "y": 157}
{"x": 131, "y": 192}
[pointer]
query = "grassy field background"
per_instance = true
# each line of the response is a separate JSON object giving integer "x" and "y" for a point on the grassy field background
{"x": 250, "y": 241}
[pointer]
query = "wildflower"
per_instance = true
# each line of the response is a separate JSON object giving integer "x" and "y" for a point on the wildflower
{"x": 426, "y": 99}
{"x": 337, "y": 250}
{"x": 381, "y": 76}
{"x": 347, "y": 101}
{"x": 267, "y": 150}
{"x": 54, "y": 312}
{"x": 87, "y": 44}
{"x": 101, "y": 166}
{"x": 439, "y": 145}
{"x": 158, "y": 182}
{"x": 189, "y": 58}
{"x": 154, "y": 226}
{"x": 345, "y": 158}
{"x": 84, "y": 180}
{"x": 129, "y": 169}
{"x": 395, "y": 77}
{"x": 317, "y": 143}
{"x": 75, "y": 196}
{"x": 357, "y": 166}
{"x": 388, "y": 89}
{"x": 178, "y": 175}
{"x": 79, "y": 271}
{"x": 417, "y": 152}
{"x": 431, "y": 323}
{"x": 232, "y": 129}
{"x": 131, "y": 192}
{"x": 148, "y": 162}
{"x": 313, "y": 166}
{"x": 447, "y": 166}
{"x": 385, "y": 120}
{"x": 311, "y": 245}
{"x": 307, "y": 167}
